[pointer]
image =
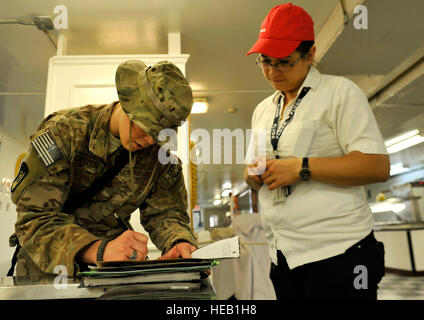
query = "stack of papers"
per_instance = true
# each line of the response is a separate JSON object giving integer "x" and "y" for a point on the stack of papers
{"x": 161, "y": 279}
{"x": 222, "y": 249}
{"x": 197, "y": 290}
{"x": 108, "y": 273}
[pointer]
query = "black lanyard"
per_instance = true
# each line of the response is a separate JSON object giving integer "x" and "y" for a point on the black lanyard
{"x": 275, "y": 135}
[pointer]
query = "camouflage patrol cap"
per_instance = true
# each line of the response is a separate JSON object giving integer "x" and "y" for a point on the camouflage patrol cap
{"x": 155, "y": 98}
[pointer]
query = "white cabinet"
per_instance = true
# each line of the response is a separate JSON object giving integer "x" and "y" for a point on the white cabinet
{"x": 404, "y": 249}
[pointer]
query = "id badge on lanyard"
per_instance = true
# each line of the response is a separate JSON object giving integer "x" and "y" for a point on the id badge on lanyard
{"x": 280, "y": 194}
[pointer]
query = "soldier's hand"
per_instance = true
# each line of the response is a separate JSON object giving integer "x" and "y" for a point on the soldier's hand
{"x": 182, "y": 249}
{"x": 123, "y": 247}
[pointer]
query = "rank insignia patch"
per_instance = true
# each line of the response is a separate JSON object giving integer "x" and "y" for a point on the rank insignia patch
{"x": 47, "y": 149}
{"x": 172, "y": 174}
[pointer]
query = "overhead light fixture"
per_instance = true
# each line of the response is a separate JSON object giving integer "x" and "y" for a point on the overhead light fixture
{"x": 406, "y": 140}
{"x": 227, "y": 185}
{"x": 217, "y": 202}
{"x": 226, "y": 193}
{"x": 397, "y": 168}
{"x": 200, "y": 105}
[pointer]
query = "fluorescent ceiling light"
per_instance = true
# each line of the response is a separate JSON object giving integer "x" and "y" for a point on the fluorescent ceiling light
{"x": 217, "y": 202}
{"x": 227, "y": 185}
{"x": 401, "y": 137}
{"x": 404, "y": 141}
{"x": 200, "y": 105}
{"x": 226, "y": 193}
{"x": 397, "y": 168}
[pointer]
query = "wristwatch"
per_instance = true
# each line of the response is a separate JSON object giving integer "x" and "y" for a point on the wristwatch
{"x": 305, "y": 173}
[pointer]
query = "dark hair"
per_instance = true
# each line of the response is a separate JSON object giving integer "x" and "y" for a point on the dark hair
{"x": 304, "y": 47}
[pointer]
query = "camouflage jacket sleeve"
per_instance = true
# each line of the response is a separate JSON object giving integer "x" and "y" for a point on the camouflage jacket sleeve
{"x": 164, "y": 212}
{"x": 48, "y": 236}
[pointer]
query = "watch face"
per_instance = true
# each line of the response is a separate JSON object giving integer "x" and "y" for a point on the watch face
{"x": 305, "y": 174}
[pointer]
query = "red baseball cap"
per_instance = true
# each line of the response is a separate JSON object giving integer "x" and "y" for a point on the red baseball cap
{"x": 282, "y": 30}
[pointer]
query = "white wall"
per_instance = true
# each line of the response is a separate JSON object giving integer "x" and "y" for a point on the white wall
{"x": 10, "y": 149}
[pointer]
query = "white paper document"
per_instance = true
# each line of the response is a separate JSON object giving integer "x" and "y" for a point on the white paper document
{"x": 226, "y": 248}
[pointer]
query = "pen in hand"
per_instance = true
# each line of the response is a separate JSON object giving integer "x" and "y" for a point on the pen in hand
{"x": 128, "y": 226}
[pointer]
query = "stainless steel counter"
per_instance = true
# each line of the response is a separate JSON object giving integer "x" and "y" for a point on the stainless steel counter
{"x": 398, "y": 226}
{"x": 12, "y": 288}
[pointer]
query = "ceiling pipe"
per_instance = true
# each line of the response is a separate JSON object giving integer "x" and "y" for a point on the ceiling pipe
{"x": 345, "y": 14}
{"x": 334, "y": 26}
{"x": 398, "y": 83}
{"x": 43, "y": 23}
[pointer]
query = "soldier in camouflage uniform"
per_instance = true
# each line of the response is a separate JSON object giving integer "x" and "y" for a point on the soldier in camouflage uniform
{"x": 75, "y": 147}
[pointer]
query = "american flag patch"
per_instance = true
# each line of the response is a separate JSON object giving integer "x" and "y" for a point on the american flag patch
{"x": 47, "y": 149}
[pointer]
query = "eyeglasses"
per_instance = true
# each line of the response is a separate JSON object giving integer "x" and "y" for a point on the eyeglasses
{"x": 280, "y": 66}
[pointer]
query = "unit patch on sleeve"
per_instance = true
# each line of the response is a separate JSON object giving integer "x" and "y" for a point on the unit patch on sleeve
{"x": 47, "y": 149}
{"x": 23, "y": 171}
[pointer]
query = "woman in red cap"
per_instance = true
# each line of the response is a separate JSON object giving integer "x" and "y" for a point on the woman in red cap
{"x": 322, "y": 145}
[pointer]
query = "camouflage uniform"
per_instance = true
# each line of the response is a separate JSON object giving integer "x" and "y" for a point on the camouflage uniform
{"x": 77, "y": 141}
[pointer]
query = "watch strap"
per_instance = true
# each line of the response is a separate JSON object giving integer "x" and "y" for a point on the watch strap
{"x": 101, "y": 249}
{"x": 305, "y": 173}
{"x": 305, "y": 163}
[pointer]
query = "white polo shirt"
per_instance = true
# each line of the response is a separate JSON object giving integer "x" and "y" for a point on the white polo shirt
{"x": 318, "y": 220}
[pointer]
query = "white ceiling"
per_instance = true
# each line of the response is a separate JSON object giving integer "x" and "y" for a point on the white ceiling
{"x": 217, "y": 34}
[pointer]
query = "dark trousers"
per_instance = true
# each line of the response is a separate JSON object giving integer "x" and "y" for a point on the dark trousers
{"x": 355, "y": 274}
